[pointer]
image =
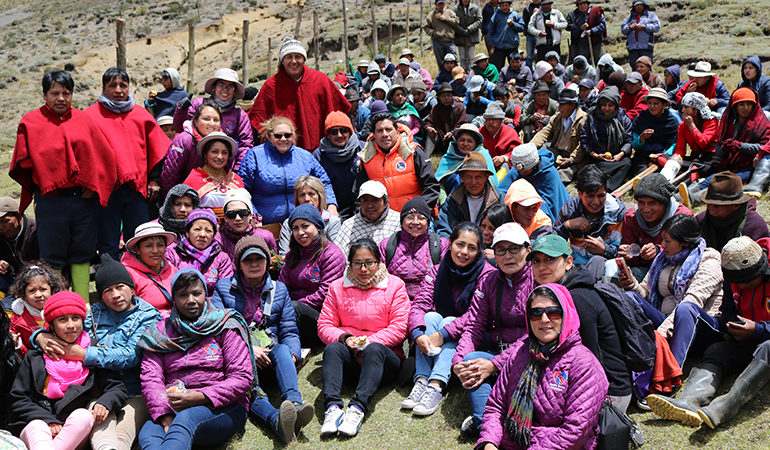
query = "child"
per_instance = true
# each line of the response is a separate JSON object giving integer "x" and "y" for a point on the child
{"x": 49, "y": 398}
{"x": 32, "y": 287}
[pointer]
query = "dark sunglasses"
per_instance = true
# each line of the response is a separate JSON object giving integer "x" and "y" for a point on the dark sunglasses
{"x": 283, "y": 135}
{"x": 233, "y": 213}
{"x": 553, "y": 312}
{"x": 339, "y": 130}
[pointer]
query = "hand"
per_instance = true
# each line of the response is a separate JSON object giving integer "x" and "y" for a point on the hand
{"x": 447, "y": 136}
{"x": 626, "y": 282}
{"x": 153, "y": 190}
{"x": 641, "y": 26}
{"x": 617, "y": 157}
{"x": 432, "y": 132}
{"x": 595, "y": 245}
{"x": 477, "y": 371}
{"x": 489, "y": 253}
{"x": 99, "y": 412}
{"x": 151, "y": 97}
{"x": 584, "y": 26}
{"x": 537, "y": 116}
{"x": 88, "y": 193}
{"x": 183, "y": 104}
{"x": 688, "y": 120}
{"x": 51, "y": 345}
{"x": 349, "y": 343}
{"x": 55, "y": 429}
{"x": 646, "y": 134}
{"x": 543, "y": 33}
{"x": 423, "y": 344}
{"x": 741, "y": 332}
{"x": 595, "y": 155}
{"x": 74, "y": 352}
{"x": 508, "y": 121}
{"x": 16, "y": 338}
{"x": 333, "y": 210}
{"x": 730, "y": 144}
{"x": 165, "y": 421}
{"x": 499, "y": 160}
{"x": 436, "y": 339}
{"x": 755, "y": 161}
{"x": 712, "y": 103}
{"x": 4, "y": 266}
{"x": 579, "y": 224}
{"x": 587, "y": 32}
{"x": 261, "y": 357}
{"x": 623, "y": 252}
{"x": 187, "y": 399}
{"x": 649, "y": 251}
{"x": 692, "y": 87}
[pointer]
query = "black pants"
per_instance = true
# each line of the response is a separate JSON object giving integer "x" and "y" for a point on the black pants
{"x": 542, "y": 50}
{"x": 734, "y": 356}
{"x": 499, "y": 56}
{"x": 307, "y": 323}
{"x": 616, "y": 171}
{"x": 379, "y": 362}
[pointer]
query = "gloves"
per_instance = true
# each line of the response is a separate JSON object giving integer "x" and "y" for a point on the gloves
{"x": 748, "y": 148}
{"x": 731, "y": 145}
{"x": 183, "y": 104}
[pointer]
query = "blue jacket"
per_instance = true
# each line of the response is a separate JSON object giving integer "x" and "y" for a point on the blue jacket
{"x": 675, "y": 72}
{"x": 362, "y": 115}
{"x": 504, "y": 36}
{"x": 646, "y": 39}
{"x": 761, "y": 84}
{"x": 269, "y": 176}
{"x": 165, "y": 102}
{"x": 608, "y": 228}
{"x": 282, "y": 322}
{"x": 546, "y": 181}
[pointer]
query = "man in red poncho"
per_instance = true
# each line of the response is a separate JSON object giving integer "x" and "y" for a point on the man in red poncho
{"x": 303, "y": 95}
{"x": 138, "y": 146}
{"x": 59, "y": 159}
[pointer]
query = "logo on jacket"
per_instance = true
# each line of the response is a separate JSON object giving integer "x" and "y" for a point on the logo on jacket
{"x": 400, "y": 165}
{"x": 559, "y": 381}
{"x": 212, "y": 351}
{"x": 315, "y": 274}
{"x": 228, "y": 127}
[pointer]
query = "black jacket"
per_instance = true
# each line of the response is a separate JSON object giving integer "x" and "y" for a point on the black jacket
{"x": 22, "y": 250}
{"x": 29, "y": 402}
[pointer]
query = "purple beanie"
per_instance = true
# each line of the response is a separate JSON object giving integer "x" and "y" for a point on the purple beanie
{"x": 201, "y": 213}
{"x": 378, "y": 106}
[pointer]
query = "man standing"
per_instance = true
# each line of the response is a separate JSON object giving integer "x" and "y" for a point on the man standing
{"x": 18, "y": 241}
{"x": 486, "y": 15}
{"x": 587, "y": 25}
{"x": 546, "y": 26}
{"x": 639, "y": 28}
{"x": 440, "y": 27}
{"x": 467, "y": 31}
{"x": 503, "y": 33}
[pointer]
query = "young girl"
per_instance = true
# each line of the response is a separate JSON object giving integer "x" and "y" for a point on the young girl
{"x": 32, "y": 287}
{"x": 50, "y": 398}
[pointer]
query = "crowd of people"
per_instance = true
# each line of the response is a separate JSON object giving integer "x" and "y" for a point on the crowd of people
{"x": 406, "y": 226}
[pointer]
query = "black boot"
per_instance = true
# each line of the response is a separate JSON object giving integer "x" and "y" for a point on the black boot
{"x": 724, "y": 407}
{"x": 698, "y": 390}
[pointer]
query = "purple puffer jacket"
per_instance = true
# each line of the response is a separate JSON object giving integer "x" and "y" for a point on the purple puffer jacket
{"x": 482, "y": 311}
{"x": 423, "y": 304}
{"x": 228, "y": 244}
{"x": 570, "y": 392}
{"x": 412, "y": 261}
{"x": 220, "y": 267}
{"x": 218, "y": 366}
{"x": 235, "y": 123}
{"x": 309, "y": 282}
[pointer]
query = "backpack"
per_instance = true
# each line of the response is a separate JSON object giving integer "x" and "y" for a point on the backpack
{"x": 434, "y": 244}
{"x": 635, "y": 330}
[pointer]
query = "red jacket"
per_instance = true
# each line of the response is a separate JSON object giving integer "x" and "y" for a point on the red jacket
{"x": 634, "y": 103}
{"x": 632, "y": 233}
{"x": 502, "y": 143}
{"x": 700, "y": 142}
{"x": 25, "y": 324}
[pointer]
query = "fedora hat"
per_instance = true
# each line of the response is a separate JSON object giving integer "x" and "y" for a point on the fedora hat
{"x": 725, "y": 188}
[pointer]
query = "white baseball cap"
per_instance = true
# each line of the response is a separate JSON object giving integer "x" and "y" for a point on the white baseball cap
{"x": 510, "y": 232}
{"x": 373, "y": 188}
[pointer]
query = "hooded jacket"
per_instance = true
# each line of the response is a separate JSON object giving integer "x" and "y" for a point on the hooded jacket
{"x": 455, "y": 209}
{"x": 501, "y": 34}
{"x": 634, "y": 104}
{"x": 761, "y": 84}
{"x": 641, "y": 39}
{"x": 676, "y": 73}
{"x": 541, "y": 223}
{"x": 153, "y": 288}
{"x": 634, "y": 234}
{"x": 309, "y": 281}
{"x": 165, "y": 102}
{"x": 588, "y": 73}
{"x": 218, "y": 268}
{"x": 412, "y": 259}
{"x": 22, "y": 249}
{"x": 166, "y": 215}
{"x": 594, "y": 137}
{"x": 546, "y": 181}
{"x": 607, "y": 228}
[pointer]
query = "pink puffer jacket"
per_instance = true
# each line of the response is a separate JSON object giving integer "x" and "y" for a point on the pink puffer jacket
{"x": 412, "y": 260}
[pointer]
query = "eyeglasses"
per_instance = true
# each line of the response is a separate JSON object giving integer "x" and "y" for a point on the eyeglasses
{"x": 553, "y": 313}
{"x": 229, "y": 87}
{"x": 233, "y": 213}
{"x": 369, "y": 264}
{"x": 339, "y": 130}
{"x": 513, "y": 250}
{"x": 283, "y": 135}
{"x": 415, "y": 218}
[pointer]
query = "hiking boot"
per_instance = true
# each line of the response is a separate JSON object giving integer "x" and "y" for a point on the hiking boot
{"x": 351, "y": 421}
{"x": 748, "y": 383}
{"x": 287, "y": 417}
{"x": 698, "y": 390}
{"x": 429, "y": 401}
{"x": 414, "y": 397}
{"x": 758, "y": 179}
{"x": 332, "y": 420}
{"x": 305, "y": 413}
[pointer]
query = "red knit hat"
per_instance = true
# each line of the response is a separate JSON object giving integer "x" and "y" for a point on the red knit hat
{"x": 337, "y": 119}
{"x": 744, "y": 94}
{"x": 64, "y": 302}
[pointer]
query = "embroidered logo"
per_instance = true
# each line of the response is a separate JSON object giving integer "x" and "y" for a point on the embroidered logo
{"x": 559, "y": 381}
{"x": 315, "y": 274}
{"x": 228, "y": 127}
{"x": 400, "y": 165}
{"x": 212, "y": 351}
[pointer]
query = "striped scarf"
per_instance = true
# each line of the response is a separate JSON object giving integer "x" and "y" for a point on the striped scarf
{"x": 201, "y": 259}
{"x": 518, "y": 422}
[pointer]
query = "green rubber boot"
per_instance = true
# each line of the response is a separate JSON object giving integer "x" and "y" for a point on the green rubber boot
{"x": 81, "y": 276}
{"x": 748, "y": 383}
{"x": 701, "y": 385}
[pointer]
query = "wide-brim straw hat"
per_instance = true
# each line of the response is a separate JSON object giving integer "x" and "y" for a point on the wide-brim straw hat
{"x": 150, "y": 229}
{"x": 225, "y": 75}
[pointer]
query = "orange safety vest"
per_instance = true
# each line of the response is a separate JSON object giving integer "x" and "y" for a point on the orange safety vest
{"x": 395, "y": 170}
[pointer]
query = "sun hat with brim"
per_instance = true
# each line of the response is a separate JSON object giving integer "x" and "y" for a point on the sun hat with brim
{"x": 510, "y": 232}
{"x": 479, "y": 57}
{"x": 165, "y": 120}
{"x": 395, "y": 88}
{"x": 405, "y": 52}
{"x": 725, "y": 188}
{"x": 217, "y": 136}
{"x": 540, "y": 86}
{"x": 474, "y": 162}
{"x": 702, "y": 69}
{"x": 363, "y": 63}
{"x": 444, "y": 87}
{"x": 658, "y": 93}
{"x": 471, "y": 129}
{"x": 225, "y": 75}
{"x": 458, "y": 73}
{"x": 150, "y": 229}
{"x": 551, "y": 245}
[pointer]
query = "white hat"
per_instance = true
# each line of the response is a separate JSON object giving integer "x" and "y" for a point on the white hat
{"x": 404, "y": 61}
{"x": 165, "y": 120}
{"x": 542, "y": 68}
{"x": 479, "y": 57}
{"x": 510, "y": 232}
{"x": 363, "y": 63}
{"x": 702, "y": 69}
{"x": 239, "y": 195}
{"x": 225, "y": 75}
{"x": 475, "y": 83}
{"x": 525, "y": 157}
{"x": 373, "y": 188}
{"x": 147, "y": 230}
{"x": 450, "y": 57}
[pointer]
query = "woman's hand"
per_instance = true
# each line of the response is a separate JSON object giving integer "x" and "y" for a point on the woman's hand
{"x": 261, "y": 357}
{"x": 99, "y": 412}
{"x": 623, "y": 251}
{"x": 646, "y": 134}
{"x": 499, "y": 160}
{"x": 436, "y": 339}
{"x": 489, "y": 253}
{"x": 187, "y": 399}
{"x": 423, "y": 344}
{"x": 55, "y": 429}
{"x": 165, "y": 421}
{"x": 648, "y": 252}
{"x": 51, "y": 345}
{"x": 688, "y": 120}
{"x": 476, "y": 372}
{"x": 350, "y": 343}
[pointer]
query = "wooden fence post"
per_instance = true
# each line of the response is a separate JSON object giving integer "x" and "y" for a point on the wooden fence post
{"x": 190, "y": 55}
{"x": 390, "y": 34}
{"x": 120, "y": 38}
{"x": 345, "y": 31}
{"x": 245, "y": 52}
{"x": 299, "y": 22}
{"x": 269, "y": 56}
{"x": 407, "y": 24}
{"x": 422, "y": 17}
{"x": 374, "y": 30}
{"x": 317, "y": 57}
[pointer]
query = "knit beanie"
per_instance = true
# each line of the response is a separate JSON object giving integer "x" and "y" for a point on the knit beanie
{"x": 542, "y": 68}
{"x": 743, "y": 94}
{"x": 201, "y": 213}
{"x": 416, "y": 205}
{"x": 110, "y": 273}
{"x": 64, "y": 302}
{"x": 655, "y": 186}
{"x": 337, "y": 119}
{"x": 289, "y": 46}
{"x": 494, "y": 111}
{"x": 377, "y": 107}
{"x": 644, "y": 59}
{"x": 246, "y": 243}
{"x": 742, "y": 260}
{"x": 307, "y": 212}
{"x": 525, "y": 157}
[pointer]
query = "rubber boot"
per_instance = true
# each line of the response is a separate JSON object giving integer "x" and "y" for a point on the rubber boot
{"x": 691, "y": 195}
{"x": 700, "y": 387}
{"x": 748, "y": 383}
{"x": 81, "y": 276}
{"x": 758, "y": 179}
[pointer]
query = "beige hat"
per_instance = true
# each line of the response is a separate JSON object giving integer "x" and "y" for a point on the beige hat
{"x": 8, "y": 205}
{"x": 405, "y": 52}
{"x": 404, "y": 61}
{"x": 658, "y": 93}
{"x": 218, "y": 136}
{"x": 150, "y": 229}
{"x": 165, "y": 120}
{"x": 225, "y": 75}
{"x": 479, "y": 57}
{"x": 702, "y": 69}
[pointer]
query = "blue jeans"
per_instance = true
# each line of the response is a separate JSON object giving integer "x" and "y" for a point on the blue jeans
{"x": 441, "y": 49}
{"x": 745, "y": 177}
{"x": 435, "y": 367}
{"x": 199, "y": 425}
{"x": 286, "y": 376}
{"x": 690, "y": 321}
{"x": 633, "y": 55}
{"x": 479, "y": 395}
{"x": 126, "y": 207}
{"x": 530, "y": 50}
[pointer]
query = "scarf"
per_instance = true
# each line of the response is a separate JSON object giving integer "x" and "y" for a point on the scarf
{"x": 19, "y": 305}
{"x": 234, "y": 236}
{"x": 167, "y": 217}
{"x": 518, "y": 422}
{"x": 448, "y": 276}
{"x": 689, "y": 259}
{"x": 221, "y": 104}
{"x": 339, "y": 155}
{"x": 117, "y": 107}
{"x": 200, "y": 258}
{"x": 379, "y": 275}
{"x": 65, "y": 372}
{"x": 404, "y": 110}
{"x": 614, "y": 127}
{"x": 654, "y": 231}
{"x": 755, "y": 129}
{"x": 718, "y": 230}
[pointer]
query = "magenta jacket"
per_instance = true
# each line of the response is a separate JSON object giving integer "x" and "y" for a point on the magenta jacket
{"x": 218, "y": 366}
{"x": 482, "y": 311}
{"x": 411, "y": 262}
{"x": 309, "y": 282}
{"x": 570, "y": 392}
{"x": 220, "y": 267}
{"x": 235, "y": 123}
{"x": 228, "y": 245}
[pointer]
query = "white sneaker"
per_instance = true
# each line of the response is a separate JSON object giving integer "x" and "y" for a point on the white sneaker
{"x": 414, "y": 397}
{"x": 351, "y": 422}
{"x": 429, "y": 402}
{"x": 332, "y": 419}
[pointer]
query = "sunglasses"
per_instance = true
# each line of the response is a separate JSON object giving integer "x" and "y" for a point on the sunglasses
{"x": 553, "y": 313}
{"x": 513, "y": 250}
{"x": 339, "y": 130}
{"x": 283, "y": 135}
{"x": 233, "y": 213}
{"x": 229, "y": 87}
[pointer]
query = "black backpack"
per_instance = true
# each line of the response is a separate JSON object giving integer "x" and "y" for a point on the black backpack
{"x": 635, "y": 330}
{"x": 434, "y": 244}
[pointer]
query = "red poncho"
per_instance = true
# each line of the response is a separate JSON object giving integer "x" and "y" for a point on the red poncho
{"x": 709, "y": 90}
{"x": 502, "y": 143}
{"x": 306, "y": 103}
{"x": 55, "y": 152}
{"x": 137, "y": 142}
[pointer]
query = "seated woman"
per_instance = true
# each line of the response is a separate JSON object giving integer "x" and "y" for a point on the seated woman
{"x": 467, "y": 138}
{"x": 216, "y": 177}
{"x": 552, "y": 263}
{"x": 683, "y": 288}
{"x": 145, "y": 260}
{"x": 490, "y": 330}
{"x": 411, "y": 252}
{"x": 493, "y": 219}
{"x": 180, "y": 201}
{"x": 653, "y": 131}
{"x": 241, "y": 220}
{"x": 197, "y": 371}
{"x": 525, "y": 408}
{"x": 751, "y": 74}
{"x": 267, "y": 308}
{"x": 436, "y": 319}
{"x": 363, "y": 324}
{"x": 312, "y": 264}
{"x": 182, "y": 156}
{"x": 199, "y": 250}
{"x": 309, "y": 189}
{"x": 606, "y": 138}
{"x": 697, "y": 130}
{"x": 402, "y": 110}
{"x": 271, "y": 170}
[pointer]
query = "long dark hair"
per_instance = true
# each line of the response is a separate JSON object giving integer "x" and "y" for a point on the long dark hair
{"x": 683, "y": 228}
{"x": 294, "y": 256}
{"x": 469, "y": 227}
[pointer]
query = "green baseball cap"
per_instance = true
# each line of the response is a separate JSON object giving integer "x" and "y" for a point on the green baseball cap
{"x": 552, "y": 245}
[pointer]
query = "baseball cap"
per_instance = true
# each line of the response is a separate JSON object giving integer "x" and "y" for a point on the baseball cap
{"x": 8, "y": 205}
{"x": 373, "y": 188}
{"x": 510, "y": 232}
{"x": 552, "y": 245}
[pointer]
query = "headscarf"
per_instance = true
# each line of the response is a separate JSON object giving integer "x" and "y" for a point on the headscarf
{"x": 689, "y": 259}
{"x": 117, "y": 107}
{"x": 699, "y": 102}
{"x": 167, "y": 217}
{"x": 449, "y": 276}
{"x": 615, "y": 128}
